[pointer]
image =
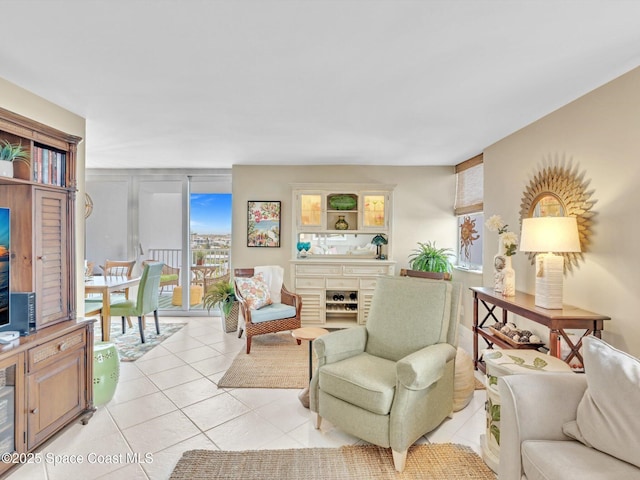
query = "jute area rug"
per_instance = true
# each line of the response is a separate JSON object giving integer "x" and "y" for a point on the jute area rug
{"x": 433, "y": 462}
{"x": 276, "y": 361}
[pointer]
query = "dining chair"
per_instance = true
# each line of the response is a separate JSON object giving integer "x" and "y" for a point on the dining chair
{"x": 146, "y": 301}
{"x": 119, "y": 268}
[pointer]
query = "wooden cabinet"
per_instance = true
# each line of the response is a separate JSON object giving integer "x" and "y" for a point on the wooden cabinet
{"x": 45, "y": 377}
{"x": 41, "y": 197}
{"x": 337, "y": 277}
{"x": 337, "y": 294}
{"x": 364, "y": 207}
{"x": 40, "y": 248}
{"x": 45, "y": 384}
{"x": 56, "y": 380}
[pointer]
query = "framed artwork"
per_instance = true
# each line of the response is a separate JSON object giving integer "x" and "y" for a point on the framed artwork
{"x": 263, "y": 224}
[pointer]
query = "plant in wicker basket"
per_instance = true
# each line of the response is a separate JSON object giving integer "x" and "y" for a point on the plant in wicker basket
{"x": 222, "y": 294}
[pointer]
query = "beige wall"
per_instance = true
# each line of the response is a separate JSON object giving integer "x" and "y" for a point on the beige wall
{"x": 19, "y": 100}
{"x": 422, "y": 205}
{"x": 599, "y": 134}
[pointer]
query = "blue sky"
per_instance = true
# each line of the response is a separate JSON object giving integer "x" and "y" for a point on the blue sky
{"x": 210, "y": 213}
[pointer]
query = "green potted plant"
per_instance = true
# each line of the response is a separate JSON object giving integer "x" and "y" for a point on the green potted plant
{"x": 10, "y": 153}
{"x": 428, "y": 258}
{"x": 223, "y": 295}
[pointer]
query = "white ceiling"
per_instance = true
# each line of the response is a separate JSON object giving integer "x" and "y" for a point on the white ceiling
{"x": 209, "y": 84}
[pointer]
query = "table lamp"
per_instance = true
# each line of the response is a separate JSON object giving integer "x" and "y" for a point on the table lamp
{"x": 378, "y": 241}
{"x": 548, "y": 236}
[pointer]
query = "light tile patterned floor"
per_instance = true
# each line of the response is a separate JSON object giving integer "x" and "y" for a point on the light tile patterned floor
{"x": 168, "y": 402}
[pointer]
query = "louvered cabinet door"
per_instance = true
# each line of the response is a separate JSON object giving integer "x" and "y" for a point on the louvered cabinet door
{"x": 51, "y": 280}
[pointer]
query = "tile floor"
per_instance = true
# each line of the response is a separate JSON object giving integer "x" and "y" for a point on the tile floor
{"x": 168, "y": 402}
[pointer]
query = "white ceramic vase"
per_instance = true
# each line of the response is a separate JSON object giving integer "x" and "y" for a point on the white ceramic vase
{"x": 499, "y": 263}
{"x": 509, "y": 283}
{"x": 6, "y": 169}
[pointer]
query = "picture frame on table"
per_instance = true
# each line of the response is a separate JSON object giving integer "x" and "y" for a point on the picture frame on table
{"x": 263, "y": 223}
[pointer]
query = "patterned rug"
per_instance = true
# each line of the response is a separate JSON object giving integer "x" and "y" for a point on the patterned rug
{"x": 128, "y": 344}
{"x": 443, "y": 461}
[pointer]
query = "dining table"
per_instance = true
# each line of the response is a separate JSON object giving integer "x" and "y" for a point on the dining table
{"x": 106, "y": 285}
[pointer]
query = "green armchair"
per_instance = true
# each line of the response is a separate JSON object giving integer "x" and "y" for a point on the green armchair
{"x": 391, "y": 381}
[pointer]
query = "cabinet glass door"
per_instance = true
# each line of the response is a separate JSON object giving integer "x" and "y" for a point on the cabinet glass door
{"x": 310, "y": 205}
{"x": 374, "y": 211}
{"x": 7, "y": 409}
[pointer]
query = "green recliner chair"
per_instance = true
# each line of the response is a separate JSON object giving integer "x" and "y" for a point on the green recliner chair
{"x": 390, "y": 381}
{"x": 146, "y": 302}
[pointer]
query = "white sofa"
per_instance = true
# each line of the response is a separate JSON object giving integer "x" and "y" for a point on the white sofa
{"x": 571, "y": 426}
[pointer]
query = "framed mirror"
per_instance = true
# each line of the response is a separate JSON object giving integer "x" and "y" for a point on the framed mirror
{"x": 559, "y": 191}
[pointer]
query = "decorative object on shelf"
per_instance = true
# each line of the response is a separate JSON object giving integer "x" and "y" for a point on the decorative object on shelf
{"x": 503, "y": 273}
{"x": 263, "y": 224}
{"x": 552, "y": 235}
{"x": 343, "y": 202}
{"x": 303, "y": 249}
{"x": 559, "y": 190}
{"x": 378, "y": 241}
{"x": 428, "y": 258}
{"x": 341, "y": 224}
{"x": 10, "y": 153}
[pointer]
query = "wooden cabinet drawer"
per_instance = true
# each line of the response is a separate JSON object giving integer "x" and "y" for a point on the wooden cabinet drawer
{"x": 318, "y": 269}
{"x": 342, "y": 283}
{"x": 309, "y": 282}
{"x": 368, "y": 283}
{"x": 51, "y": 351}
{"x": 363, "y": 270}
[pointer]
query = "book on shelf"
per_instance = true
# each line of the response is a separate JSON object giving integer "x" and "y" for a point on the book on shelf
{"x": 48, "y": 166}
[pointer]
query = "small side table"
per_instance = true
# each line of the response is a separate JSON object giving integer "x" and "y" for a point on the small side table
{"x": 500, "y": 363}
{"x": 309, "y": 334}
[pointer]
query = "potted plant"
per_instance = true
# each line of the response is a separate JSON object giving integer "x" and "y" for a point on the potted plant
{"x": 10, "y": 153}
{"x": 223, "y": 295}
{"x": 200, "y": 254}
{"x": 428, "y": 258}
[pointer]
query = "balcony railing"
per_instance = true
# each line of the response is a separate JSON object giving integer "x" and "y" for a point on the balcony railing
{"x": 213, "y": 257}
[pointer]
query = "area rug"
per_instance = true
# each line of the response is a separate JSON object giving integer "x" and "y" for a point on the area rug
{"x": 128, "y": 344}
{"x": 276, "y": 361}
{"x": 434, "y": 462}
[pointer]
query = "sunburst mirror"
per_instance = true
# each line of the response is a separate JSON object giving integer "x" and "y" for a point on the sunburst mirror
{"x": 559, "y": 190}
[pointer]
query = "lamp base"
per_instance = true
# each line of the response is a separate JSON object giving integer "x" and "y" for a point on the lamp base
{"x": 549, "y": 278}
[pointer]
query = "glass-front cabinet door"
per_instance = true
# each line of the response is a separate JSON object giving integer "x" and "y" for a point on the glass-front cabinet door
{"x": 10, "y": 395}
{"x": 310, "y": 211}
{"x": 375, "y": 206}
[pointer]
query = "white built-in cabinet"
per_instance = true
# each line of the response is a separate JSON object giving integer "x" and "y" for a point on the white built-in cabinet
{"x": 337, "y": 286}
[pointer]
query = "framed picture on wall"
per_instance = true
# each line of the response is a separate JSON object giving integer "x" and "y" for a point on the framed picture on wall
{"x": 263, "y": 223}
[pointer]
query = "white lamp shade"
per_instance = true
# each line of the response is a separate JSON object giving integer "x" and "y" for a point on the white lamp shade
{"x": 550, "y": 234}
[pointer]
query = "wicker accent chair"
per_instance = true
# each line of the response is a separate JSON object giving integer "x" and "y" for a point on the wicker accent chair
{"x": 249, "y": 323}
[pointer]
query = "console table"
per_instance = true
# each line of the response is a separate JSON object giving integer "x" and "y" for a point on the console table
{"x": 523, "y": 305}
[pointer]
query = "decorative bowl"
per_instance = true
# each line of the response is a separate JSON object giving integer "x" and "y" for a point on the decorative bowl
{"x": 342, "y": 202}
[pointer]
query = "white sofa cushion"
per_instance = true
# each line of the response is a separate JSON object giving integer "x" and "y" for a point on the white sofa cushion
{"x": 607, "y": 416}
{"x": 563, "y": 460}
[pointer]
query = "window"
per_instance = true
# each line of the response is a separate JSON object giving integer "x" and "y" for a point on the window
{"x": 468, "y": 208}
